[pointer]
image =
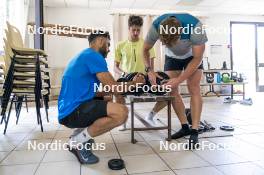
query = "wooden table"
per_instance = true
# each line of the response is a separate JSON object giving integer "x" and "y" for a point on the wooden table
{"x": 143, "y": 99}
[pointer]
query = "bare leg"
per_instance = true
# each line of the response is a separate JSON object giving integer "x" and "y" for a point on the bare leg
{"x": 159, "y": 106}
{"x": 196, "y": 98}
{"x": 121, "y": 100}
{"x": 178, "y": 104}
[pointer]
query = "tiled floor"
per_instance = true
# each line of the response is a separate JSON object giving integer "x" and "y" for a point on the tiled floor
{"x": 244, "y": 155}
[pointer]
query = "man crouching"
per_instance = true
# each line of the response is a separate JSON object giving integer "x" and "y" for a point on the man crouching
{"x": 81, "y": 106}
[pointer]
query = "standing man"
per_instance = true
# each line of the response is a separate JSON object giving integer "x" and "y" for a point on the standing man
{"x": 184, "y": 40}
{"x": 129, "y": 56}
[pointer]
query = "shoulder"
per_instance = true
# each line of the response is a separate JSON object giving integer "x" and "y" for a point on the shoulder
{"x": 121, "y": 43}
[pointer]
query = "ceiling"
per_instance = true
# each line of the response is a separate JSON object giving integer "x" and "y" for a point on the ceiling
{"x": 248, "y": 7}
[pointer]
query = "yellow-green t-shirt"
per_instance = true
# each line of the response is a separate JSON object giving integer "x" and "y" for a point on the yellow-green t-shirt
{"x": 130, "y": 56}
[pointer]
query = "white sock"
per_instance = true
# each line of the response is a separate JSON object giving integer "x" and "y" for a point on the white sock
{"x": 81, "y": 137}
{"x": 151, "y": 115}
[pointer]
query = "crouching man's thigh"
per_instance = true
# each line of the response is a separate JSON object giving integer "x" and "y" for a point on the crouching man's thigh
{"x": 118, "y": 112}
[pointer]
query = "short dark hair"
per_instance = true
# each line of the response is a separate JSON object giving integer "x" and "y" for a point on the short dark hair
{"x": 99, "y": 33}
{"x": 135, "y": 20}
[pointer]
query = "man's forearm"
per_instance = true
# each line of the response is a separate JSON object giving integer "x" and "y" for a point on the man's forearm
{"x": 125, "y": 87}
{"x": 146, "y": 58}
{"x": 118, "y": 70}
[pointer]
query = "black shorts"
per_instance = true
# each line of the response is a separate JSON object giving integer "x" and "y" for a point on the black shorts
{"x": 85, "y": 114}
{"x": 177, "y": 64}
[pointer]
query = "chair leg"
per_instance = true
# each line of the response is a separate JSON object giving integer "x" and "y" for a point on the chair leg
{"x": 20, "y": 100}
{"x": 26, "y": 102}
{"x": 9, "y": 112}
{"x": 46, "y": 103}
{"x": 38, "y": 88}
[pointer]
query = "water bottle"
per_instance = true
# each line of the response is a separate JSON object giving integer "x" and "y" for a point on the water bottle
{"x": 218, "y": 78}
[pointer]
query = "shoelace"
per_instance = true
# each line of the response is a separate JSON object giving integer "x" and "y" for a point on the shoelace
{"x": 86, "y": 153}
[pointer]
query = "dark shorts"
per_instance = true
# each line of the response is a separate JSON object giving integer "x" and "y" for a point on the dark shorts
{"x": 85, "y": 114}
{"x": 177, "y": 64}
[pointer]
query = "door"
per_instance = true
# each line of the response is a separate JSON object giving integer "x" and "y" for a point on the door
{"x": 260, "y": 59}
{"x": 247, "y": 40}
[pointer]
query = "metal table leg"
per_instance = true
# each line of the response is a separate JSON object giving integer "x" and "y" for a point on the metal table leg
{"x": 169, "y": 120}
{"x": 132, "y": 123}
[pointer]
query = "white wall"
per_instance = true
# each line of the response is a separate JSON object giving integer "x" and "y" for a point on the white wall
{"x": 62, "y": 49}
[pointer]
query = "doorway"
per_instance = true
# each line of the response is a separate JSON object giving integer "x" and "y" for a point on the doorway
{"x": 247, "y": 53}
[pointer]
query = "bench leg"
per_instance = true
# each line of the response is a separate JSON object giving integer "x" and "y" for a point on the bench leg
{"x": 169, "y": 120}
{"x": 132, "y": 123}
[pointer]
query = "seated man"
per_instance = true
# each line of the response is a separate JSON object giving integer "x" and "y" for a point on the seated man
{"x": 77, "y": 105}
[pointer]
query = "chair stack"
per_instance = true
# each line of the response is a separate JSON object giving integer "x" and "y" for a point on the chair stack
{"x": 26, "y": 77}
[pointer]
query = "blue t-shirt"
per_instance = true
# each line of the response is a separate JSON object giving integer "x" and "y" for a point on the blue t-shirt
{"x": 79, "y": 80}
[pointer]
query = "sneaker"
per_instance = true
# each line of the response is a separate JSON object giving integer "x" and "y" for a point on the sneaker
{"x": 123, "y": 127}
{"x": 150, "y": 121}
{"x": 193, "y": 142}
{"x": 85, "y": 155}
{"x": 246, "y": 102}
{"x": 227, "y": 100}
{"x": 181, "y": 133}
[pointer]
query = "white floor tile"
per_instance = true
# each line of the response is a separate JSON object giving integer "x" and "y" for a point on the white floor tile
{"x": 241, "y": 169}
{"x": 65, "y": 168}
{"x": 23, "y": 157}
{"x": 101, "y": 168}
{"x": 144, "y": 164}
{"x": 27, "y": 169}
{"x": 183, "y": 159}
{"x": 199, "y": 171}
{"x": 126, "y": 149}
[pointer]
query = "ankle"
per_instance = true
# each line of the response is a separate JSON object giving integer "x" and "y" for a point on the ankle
{"x": 194, "y": 132}
{"x": 185, "y": 126}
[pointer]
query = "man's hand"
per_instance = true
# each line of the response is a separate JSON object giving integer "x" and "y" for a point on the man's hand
{"x": 152, "y": 77}
{"x": 139, "y": 79}
{"x": 173, "y": 83}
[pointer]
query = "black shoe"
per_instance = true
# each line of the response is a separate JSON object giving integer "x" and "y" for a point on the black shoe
{"x": 181, "y": 133}
{"x": 84, "y": 154}
{"x": 193, "y": 142}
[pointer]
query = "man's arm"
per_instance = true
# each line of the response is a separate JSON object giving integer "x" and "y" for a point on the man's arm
{"x": 107, "y": 79}
{"x": 117, "y": 69}
{"x": 146, "y": 54}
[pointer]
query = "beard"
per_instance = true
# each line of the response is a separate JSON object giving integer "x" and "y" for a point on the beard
{"x": 103, "y": 52}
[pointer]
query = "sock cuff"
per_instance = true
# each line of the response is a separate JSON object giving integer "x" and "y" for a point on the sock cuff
{"x": 194, "y": 131}
{"x": 185, "y": 126}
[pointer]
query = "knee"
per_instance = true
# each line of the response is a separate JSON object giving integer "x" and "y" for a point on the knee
{"x": 195, "y": 91}
{"x": 175, "y": 92}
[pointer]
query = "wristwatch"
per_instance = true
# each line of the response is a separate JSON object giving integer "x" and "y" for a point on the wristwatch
{"x": 147, "y": 69}
{"x": 123, "y": 74}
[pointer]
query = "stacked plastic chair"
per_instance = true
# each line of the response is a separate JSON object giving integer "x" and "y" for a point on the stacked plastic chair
{"x": 26, "y": 77}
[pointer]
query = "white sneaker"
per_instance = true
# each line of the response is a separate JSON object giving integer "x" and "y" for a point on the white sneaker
{"x": 123, "y": 127}
{"x": 151, "y": 121}
{"x": 246, "y": 102}
{"x": 227, "y": 100}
